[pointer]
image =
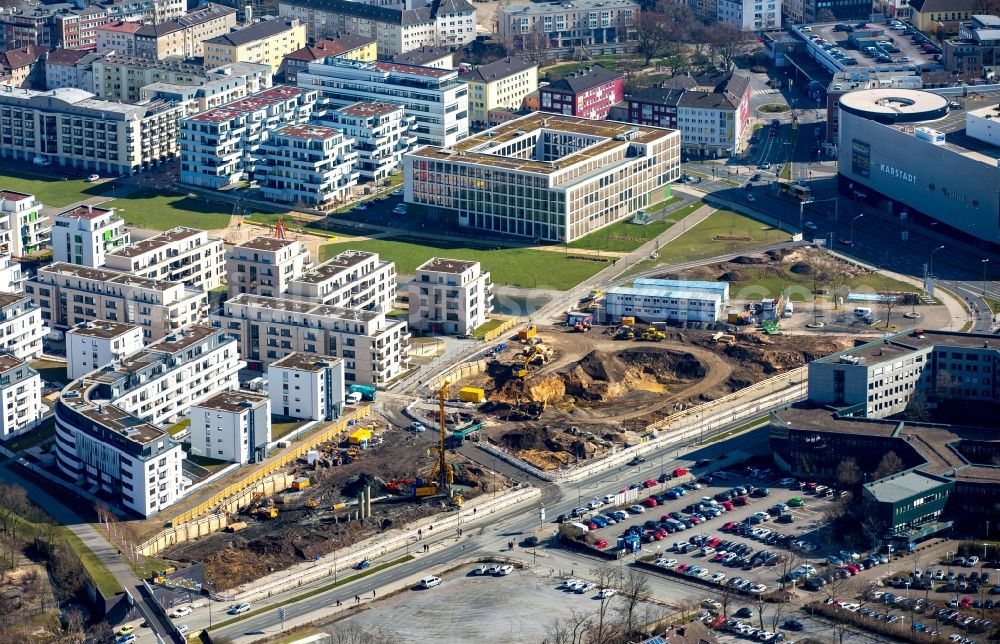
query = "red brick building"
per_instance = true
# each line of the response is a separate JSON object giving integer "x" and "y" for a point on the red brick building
{"x": 587, "y": 94}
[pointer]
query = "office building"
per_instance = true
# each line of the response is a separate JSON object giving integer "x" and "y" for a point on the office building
{"x": 942, "y": 15}
{"x": 449, "y": 297}
{"x": 84, "y": 235}
{"x": 349, "y": 46}
{"x": 214, "y": 88}
{"x": 353, "y": 279}
{"x": 219, "y": 147}
{"x": 23, "y": 229}
{"x": 374, "y": 349}
{"x": 906, "y": 503}
{"x": 653, "y": 303}
{"x": 11, "y": 277}
{"x": 852, "y": 81}
{"x": 382, "y": 134}
{"x": 828, "y": 10}
{"x": 581, "y": 175}
{"x": 21, "y": 407}
{"x": 264, "y": 266}
{"x": 22, "y": 326}
{"x": 749, "y": 15}
{"x": 397, "y": 28}
{"x": 266, "y": 42}
{"x": 436, "y": 98}
{"x": 436, "y": 57}
{"x": 582, "y": 23}
{"x": 307, "y": 386}
{"x": 587, "y": 94}
{"x": 180, "y": 254}
{"x": 232, "y": 426}
{"x": 68, "y": 295}
{"x": 502, "y": 84}
{"x": 92, "y": 345}
{"x": 307, "y": 165}
{"x": 656, "y": 106}
{"x": 976, "y": 48}
{"x": 182, "y": 37}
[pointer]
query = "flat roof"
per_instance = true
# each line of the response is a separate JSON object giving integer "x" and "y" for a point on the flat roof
{"x": 9, "y": 299}
{"x": 370, "y": 109}
{"x": 903, "y": 344}
{"x": 302, "y": 307}
{"x": 903, "y": 486}
{"x": 107, "y": 275}
{"x": 664, "y": 291}
{"x": 335, "y": 266}
{"x": 233, "y": 401}
{"x": 416, "y": 70}
{"x": 9, "y": 361}
{"x": 85, "y": 212}
{"x": 444, "y": 265}
{"x": 894, "y": 102}
{"x": 102, "y": 329}
{"x": 308, "y": 131}
{"x": 840, "y": 40}
{"x": 10, "y": 195}
{"x": 251, "y": 103}
{"x": 299, "y": 361}
{"x": 157, "y": 241}
{"x": 266, "y": 243}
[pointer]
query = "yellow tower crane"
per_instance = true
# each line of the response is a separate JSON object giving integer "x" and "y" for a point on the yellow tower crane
{"x": 443, "y": 470}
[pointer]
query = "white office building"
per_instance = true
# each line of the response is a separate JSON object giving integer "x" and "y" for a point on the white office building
{"x": 307, "y": 386}
{"x": 308, "y": 165}
{"x": 180, "y": 254}
{"x": 21, "y": 405}
{"x": 11, "y": 277}
{"x": 23, "y": 229}
{"x": 232, "y": 426}
{"x": 449, "y": 297}
{"x": 265, "y": 266}
{"x": 749, "y": 15}
{"x": 354, "y": 279}
{"x": 662, "y": 304}
{"x": 92, "y": 345}
{"x": 86, "y": 234}
{"x": 21, "y": 326}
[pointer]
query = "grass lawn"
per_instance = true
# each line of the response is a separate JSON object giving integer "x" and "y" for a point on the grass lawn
{"x": 486, "y": 327}
{"x": 51, "y": 370}
{"x": 50, "y": 188}
{"x": 699, "y": 242}
{"x": 636, "y": 234}
{"x": 770, "y": 285}
{"x": 657, "y": 207}
{"x": 994, "y": 304}
{"x": 210, "y": 464}
{"x": 523, "y": 267}
{"x": 38, "y": 435}
{"x": 284, "y": 427}
{"x": 148, "y": 209}
{"x": 97, "y": 571}
{"x": 178, "y": 427}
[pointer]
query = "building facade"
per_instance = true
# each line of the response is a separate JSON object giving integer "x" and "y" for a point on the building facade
{"x": 21, "y": 326}
{"x": 977, "y": 47}
{"x": 749, "y": 15}
{"x": 232, "y": 426}
{"x": 449, "y": 297}
{"x": 20, "y": 397}
{"x": 903, "y": 503}
{"x": 182, "y": 37}
{"x": 92, "y": 345}
{"x": 121, "y": 78}
{"x": 311, "y": 165}
{"x": 653, "y": 303}
{"x": 117, "y": 36}
{"x": 656, "y": 106}
{"x": 588, "y": 94}
{"x": 354, "y": 279}
{"x": 180, "y": 254}
{"x": 266, "y": 42}
{"x": 816, "y": 10}
{"x": 71, "y": 68}
{"x": 11, "y": 277}
{"x": 714, "y": 116}
{"x": 925, "y": 15}
{"x": 382, "y": 134}
{"x": 216, "y": 87}
{"x": 307, "y": 386}
{"x": 502, "y": 84}
{"x": 347, "y": 46}
{"x": 581, "y": 23}
{"x": 23, "y": 229}
{"x": 86, "y": 234}
{"x": 264, "y": 266}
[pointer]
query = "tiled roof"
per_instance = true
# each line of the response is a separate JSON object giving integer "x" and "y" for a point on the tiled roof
{"x": 21, "y": 57}
{"x": 421, "y": 56}
{"x": 943, "y": 5}
{"x": 61, "y": 56}
{"x": 330, "y": 47}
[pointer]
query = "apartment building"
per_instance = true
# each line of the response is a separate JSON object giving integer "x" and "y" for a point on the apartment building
{"x": 68, "y": 295}
{"x": 353, "y": 279}
{"x": 382, "y": 134}
{"x": 11, "y": 277}
{"x": 502, "y": 84}
{"x": 232, "y": 426}
{"x": 545, "y": 176}
{"x": 180, "y": 254}
{"x": 84, "y": 235}
{"x": 117, "y": 36}
{"x": 264, "y": 266}
{"x": 589, "y": 93}
{"x": 21, "y": 326}
{"x": 215, "y": 88}
{"x": 120, "y": 78}
{"x": 656, "y": 106}
{"x": 73, "y": 25}
{"x": 349, "y": 46}
{"x": 72, "y": 128}
{"x": 309, "y": 165}
{"x": 107, "y": 433}
{"x": 219, "y": 147}
{"x": 182, "y": 37}
{"x": 943, "y": 15}
{"x": 749, "y": 15}
{"x": 976, "y": 48}
{"x": 793, "y": 11}
{"x": 22, "y": 67}
{"x": 71, "y": 68}
{"x": 437, "y": 57}
{"x": 266, "y": 42}
{"x": 375, "y": 350}
{"x": 436, "y": 98}
{"x": 23, "y": 229}
{"x": 713, "y": 113}
{"x": 307, "y": 386}
{"x": 395, "y": 28}
{"x": 580, "y": 23}
{"x": 449, "y": 297}
{"x": 92, "y": 345}
{"x": 21, "y": 407}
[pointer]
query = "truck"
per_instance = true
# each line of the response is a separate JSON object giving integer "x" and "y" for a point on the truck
{"x": 55, "y": 335}
{"x": 367, "y": 391}
{"x": 573, "y": 530}
{"x": 353, "y": 398}
{"x": 789, "y": 309}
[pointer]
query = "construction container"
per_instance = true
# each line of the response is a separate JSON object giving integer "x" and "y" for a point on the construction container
{"x": 300, "y": 483}
{"x": 236, "y": 527}
{"x": 360, "y": 436}
{"x": 471, "y": 394}
{"x": 527, "y": 334}
{"x": 426, "y": 491}
{"x": 628, "y": 320}
{"x": 733, "y": 316}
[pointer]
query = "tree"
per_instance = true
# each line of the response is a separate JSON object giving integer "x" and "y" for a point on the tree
{"x": 726, "y": 43}
{"x": 635, "y": 587}
{"x": 786, "y": 564}
{"x": 917, "y": 410}
{"x": 986, "y": 7}
{"x": 570, "y": 630}
{"x": 535, "y": 43}
{"x": 605, "y": 576}
{"x": 890, "y": 464}
{"x": 825, "y": 15}
{"x": 848, "y": 473}
{"x": 653, "y": 36}
{"x": 760, "y": 603}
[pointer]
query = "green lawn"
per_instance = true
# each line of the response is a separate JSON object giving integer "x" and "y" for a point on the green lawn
{"x": 523, "y": 267}
{"x": 38, "y": 435}
{"x": 282, "y": 426}
{"x": 994, "y": 304}
{"x": 210, "y": 464}
{"x": 96, "y": 570}
{"x": 148, "y": 209}
{"x": 699, "y": 242}
{"x": 636, "y": 234}
{"x": 770, "y": 285}
{"x": 51, "y": 370}
{"x": 178, "y": 427}
{"x": 48, "y": 187}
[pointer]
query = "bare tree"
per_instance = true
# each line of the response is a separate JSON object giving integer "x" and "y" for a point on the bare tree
{"x": 74, "y": 624}
{"x": 635, "y": 587}
{"x": 825, "y": 15}
{"x": 535, "y": 43}
{"x": 760, "y": 602}
{"x": 653, "y": 36}
{"x": 605, "y": 576}
{"x": 570, "y": 630}
{"x": 890, "y": 464}
{"x": 986, "y": 7}
{"x": 917, "y": 409}
{"x": 848, "y": 473}
{"x": 726, "y": 43}
{"x": 786, "y": 564}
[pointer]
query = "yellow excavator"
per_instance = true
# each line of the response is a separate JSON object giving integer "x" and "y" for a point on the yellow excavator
{"x": 538, "y": 353}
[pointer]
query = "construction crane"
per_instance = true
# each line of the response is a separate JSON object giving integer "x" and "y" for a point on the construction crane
{"x": 443, "y": 471}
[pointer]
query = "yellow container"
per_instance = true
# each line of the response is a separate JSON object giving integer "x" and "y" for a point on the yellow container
{"x": 300, "y": 483}
{"x": 628, "y": 320}
{"x": 359, "y": 436}
{"x": 426, "y": 491}
{"x": 527, "y": 334}
{"x": 471, "y": 394}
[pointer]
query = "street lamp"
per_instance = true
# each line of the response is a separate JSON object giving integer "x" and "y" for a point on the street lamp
{"x": 852, "y": 226}
{"x": 931, "y": 267}
{"x": 985, "y": 262}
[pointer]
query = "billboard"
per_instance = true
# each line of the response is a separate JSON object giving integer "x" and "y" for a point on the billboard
{"x": 861, "y": 158}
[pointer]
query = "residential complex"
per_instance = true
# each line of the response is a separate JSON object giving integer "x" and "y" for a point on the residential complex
{"x": 92, "y": 345}
{"x": 68, "y": 295}
{"x": 22, "y": 326}
{"x": 266, "y": 42}
{"x": 21, "y": 405}
{"x": 382, "y": 134}
{"x": 264, "y": 266}
{"x": 435, "y": 98}
{"x": 587, "y": 94}
{"x": 307, "y": 386}
{"x": 347, "y": 46}
{"x": 395, "y": 28}
{"x": 182, "y": 37}
{"x": 84, "y": 235}
{"x": 374, "y": 349}
{"x": 178, "y": 255}
{"x": 354, "y": 279}
{"x": 449, "y": 297}
{"x": 502, "y": 84}
{"x": 215, "y": 87}
{"x": 71, "y": 68}
{"x": 976, "y": 48}
{"x": 107, "y": 434}
{"x": 437, "y": 57}
{"x": 307, "y": 165}
{"x": 117, "y": 36}
{"x": 545, "y": 176}
{"x": 11, "y": 277}
{"x": 750, "y": 15}
{"x": 232, "y": 426}
{"x": 580, "y": 23}
{"x": 23, "y": 229}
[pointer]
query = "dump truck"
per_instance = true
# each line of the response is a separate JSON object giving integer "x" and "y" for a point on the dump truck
{"x": 367, "y": 391}
{"x": 652, "y": 335}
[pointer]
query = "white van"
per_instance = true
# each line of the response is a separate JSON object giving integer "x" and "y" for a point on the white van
{"x": 430, "y": 582}
{"x": 353, "y": 398}
{"x": 862, "y": 312}
{"x": 788, "y": 310}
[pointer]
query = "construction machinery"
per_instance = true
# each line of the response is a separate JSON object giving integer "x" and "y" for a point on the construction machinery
{"x": 625, "y": 332}
{"x": 581, "y": 327}
{"x": 263, "y": 509}
{"x": 539, "y": 353}
{"x": 312, "y": 503}
{"x": 442, "y": 473}
{"x": 653, "y": 335}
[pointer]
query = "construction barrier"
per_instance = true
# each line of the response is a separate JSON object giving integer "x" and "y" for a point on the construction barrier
{"x": 460, "y": 372}
{"x": 508, "y": 324}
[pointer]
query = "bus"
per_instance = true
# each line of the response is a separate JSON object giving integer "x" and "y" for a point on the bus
{"x": 802, "y": 193}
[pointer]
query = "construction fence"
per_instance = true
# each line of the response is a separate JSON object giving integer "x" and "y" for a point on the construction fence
{"x": 509, "y": 322}
{"x": 464, "y": 370}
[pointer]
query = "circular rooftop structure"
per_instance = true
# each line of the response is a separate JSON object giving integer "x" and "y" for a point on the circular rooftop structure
{"x": 892, "y": 106}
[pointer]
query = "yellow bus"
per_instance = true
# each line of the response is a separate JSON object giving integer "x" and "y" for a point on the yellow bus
{"x": 802, "y": 193}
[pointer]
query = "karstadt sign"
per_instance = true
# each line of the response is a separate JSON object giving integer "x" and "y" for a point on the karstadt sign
{"x": 897, "y": 173}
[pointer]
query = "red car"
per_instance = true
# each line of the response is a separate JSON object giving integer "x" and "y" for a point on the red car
{"x": 965, "y": 603}
{"x": 680, "y": 471}
{"x": 682, "y": 567}
{"x": 693, "y": 519}
{"x": 729, "y": 526}
{"x": 592, "y": 526}
{"x": 728, "y": 505}
{"x": 600, "y": 544}
{"x": 741, "y": 501}
{"x": 811, "y": 486}
{"x": 648, "y": 483}
{"x": 650, "y": 502}
{"x": 851, "y": 568}
{"x": 714, "y": 541}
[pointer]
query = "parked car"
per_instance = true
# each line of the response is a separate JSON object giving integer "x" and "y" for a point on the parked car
{"x": 430, "y": 582}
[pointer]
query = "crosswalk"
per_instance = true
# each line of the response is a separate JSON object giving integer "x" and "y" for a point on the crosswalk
{"x": 760, "y": 92}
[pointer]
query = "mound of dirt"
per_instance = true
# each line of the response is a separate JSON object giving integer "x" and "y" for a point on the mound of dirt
{"x": 733, "y": 276}
{"x": 600, "y": 376}
{"x": 750, "y": 259}
{"x": 531, "y": 438}
{"x": 547, "y": 389}
{"x": 801, "y": 268}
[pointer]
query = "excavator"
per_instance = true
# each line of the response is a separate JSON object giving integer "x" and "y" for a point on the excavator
{"x": 263, "y": 509}
{"x": 538, "y": 352}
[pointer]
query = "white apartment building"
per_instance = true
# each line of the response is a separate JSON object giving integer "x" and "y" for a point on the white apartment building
{"x": 307, "y": 386}
{"x": 23, "y": 229}
{"x": 397, "y": 28}
{"x": 92, "y": 345}
{"x": 214, "y": 88}
{"x": 86, "y": 234}
{"x": 545, "y": 176}
{"x": 232, "y": 426}
{"x": 713, "y": 116}
{"x": 354, "y": 279}
{"x": 581, "y": 23}
{"x": 180, "y": 254}
{"x": 71, "y": 68}
{"x": 449, "y": 297}
{"x": 264, "y": 266}
{"x": 21, "y": 326}
{"x": 21, "y": 406}
{"x": 375, "y": 350}
{"x": 436, "y": 98}
{"x": 382, "y": 134}
{"x": 749, "y": 15}
{"x": 11, "y": 277}
{"x": 107, "y": 434}
{"x": 117, "y": 36}
{"x": 311, "y": 165}
{"x": 663, "y": 304}
{"x": 68, "y": 295}
{"x": 121, "y": 78}
{"x": 220, "y": 147}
